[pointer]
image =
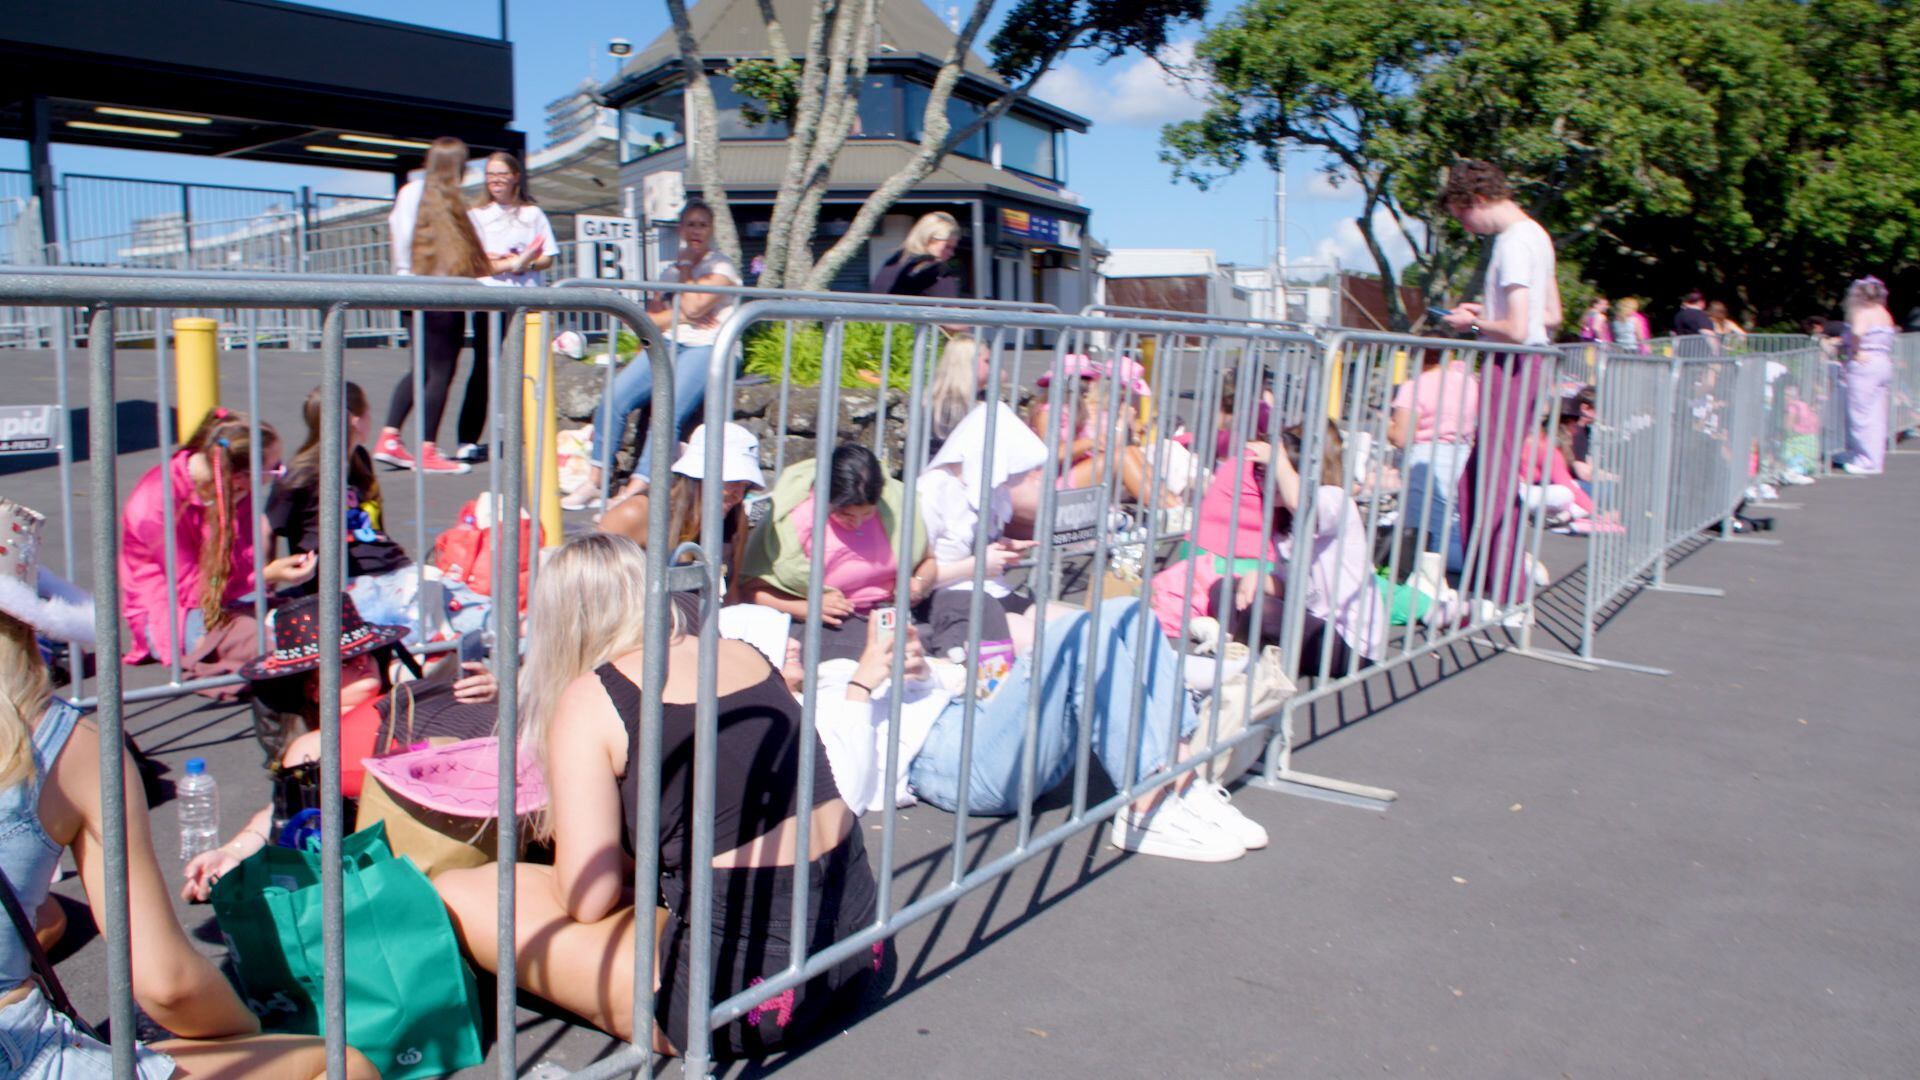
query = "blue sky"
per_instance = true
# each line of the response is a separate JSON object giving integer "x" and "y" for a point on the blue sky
{"x": 1115, "y": 168}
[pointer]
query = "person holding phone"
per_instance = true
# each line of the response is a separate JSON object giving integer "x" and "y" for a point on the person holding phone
{"x": 861, "y": 565}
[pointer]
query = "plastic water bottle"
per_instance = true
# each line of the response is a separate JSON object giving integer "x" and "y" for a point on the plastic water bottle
{"x": 199, "y": 799}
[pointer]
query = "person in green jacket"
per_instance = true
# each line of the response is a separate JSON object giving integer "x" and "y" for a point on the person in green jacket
{"x": 864, "y": 545}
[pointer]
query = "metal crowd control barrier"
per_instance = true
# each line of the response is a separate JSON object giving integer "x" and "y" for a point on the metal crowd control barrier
{"x": 1369, "y": 592}
{"x": 666, "y": 300}
{"x": 106, "y": 297}
{"x": 1286, "y": 364}
{"x": 1904, "y": 394}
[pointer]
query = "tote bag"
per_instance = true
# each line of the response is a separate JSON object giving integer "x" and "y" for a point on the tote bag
{"x": 412, "y": 1005}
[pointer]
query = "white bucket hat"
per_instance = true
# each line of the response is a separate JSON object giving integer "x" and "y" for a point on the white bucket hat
{"x": 739, "y": 456}
{"x": 31, "y": 593}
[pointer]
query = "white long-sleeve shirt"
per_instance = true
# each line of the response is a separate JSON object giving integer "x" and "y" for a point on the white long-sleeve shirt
{"x": 401, "y": 221}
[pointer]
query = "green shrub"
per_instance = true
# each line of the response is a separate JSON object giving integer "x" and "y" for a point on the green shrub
{"x": 767, "y": 343}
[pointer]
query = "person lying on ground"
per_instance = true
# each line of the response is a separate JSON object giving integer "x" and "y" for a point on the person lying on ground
{"x": 860, "y": 567}
{"x": 1188, "y": 819}
{"x": 576, "y": 921}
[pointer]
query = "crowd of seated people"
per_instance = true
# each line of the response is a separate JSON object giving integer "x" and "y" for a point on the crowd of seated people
{"x": 1371, "y": 543}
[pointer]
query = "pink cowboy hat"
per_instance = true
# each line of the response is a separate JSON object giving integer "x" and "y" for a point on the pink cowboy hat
{"x": 1086, "y": 367}
{"x": 461, "y": 779}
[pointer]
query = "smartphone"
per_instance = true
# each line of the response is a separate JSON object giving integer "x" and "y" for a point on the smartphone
{"x": 885, "y": 617}
{"x": 1439, "y": 312}
{"x": 473, "y": 646}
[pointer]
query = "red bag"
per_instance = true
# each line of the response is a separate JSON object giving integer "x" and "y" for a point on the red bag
{"x": 464, "y": 553}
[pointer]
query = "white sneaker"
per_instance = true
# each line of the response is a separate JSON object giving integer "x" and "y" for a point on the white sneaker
{"x": 1858, "y": 470}
{"x": 1795, "y": 479}
{"x": 1203, "y": 632}
{"x": 1542, "y": 577}
{"x": 1174, "y": 830}
{"x": 1215, "y": 804}
{"x": 584, "y": 497}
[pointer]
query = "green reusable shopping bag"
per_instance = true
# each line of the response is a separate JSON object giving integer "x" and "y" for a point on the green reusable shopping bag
{"x": 412, "y": 1006}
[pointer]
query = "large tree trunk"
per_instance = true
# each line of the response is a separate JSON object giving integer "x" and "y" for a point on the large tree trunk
{"x": 841, "y": 113}
{"x": 936, "y": 139}
{"x": 1389, "y": 281}
{"x": 704, "y": 145}
{"x": 806, "y": 123}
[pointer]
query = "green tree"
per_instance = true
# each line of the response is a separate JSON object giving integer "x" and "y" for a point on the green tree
{"x": 1748, "y": 146}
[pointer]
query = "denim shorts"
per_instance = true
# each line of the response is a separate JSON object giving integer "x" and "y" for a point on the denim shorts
{"x": 38, "y": 1042}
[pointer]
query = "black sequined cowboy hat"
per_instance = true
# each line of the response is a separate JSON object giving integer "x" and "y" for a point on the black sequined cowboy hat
{"x": 296, "y": 639}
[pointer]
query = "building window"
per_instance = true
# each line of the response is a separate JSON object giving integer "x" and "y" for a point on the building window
{"x": 1026, "y": 146}
{"x": 960, "y": 113}
{"x": 879, "y": 115}
{"x": 729, "y": 107}
{"x": 650, "y": 126}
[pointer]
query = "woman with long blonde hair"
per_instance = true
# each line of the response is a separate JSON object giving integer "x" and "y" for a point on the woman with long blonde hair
{"x": 51, "y": 801}
{"x": 436, "y": 239}
{"x": 575, "y": 925}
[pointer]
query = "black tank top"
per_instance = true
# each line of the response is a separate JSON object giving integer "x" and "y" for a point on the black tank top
{"x": 756, "y": 773}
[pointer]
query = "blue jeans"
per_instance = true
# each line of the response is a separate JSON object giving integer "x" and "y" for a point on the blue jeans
{"x": 633, "y": 387}
{"x": 1433, "y": 473}
{"x": 999, "y": 726}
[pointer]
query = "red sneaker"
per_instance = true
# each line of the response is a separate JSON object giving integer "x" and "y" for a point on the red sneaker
{"x": 392, "y": 451}
{"x": 432, "y": 462}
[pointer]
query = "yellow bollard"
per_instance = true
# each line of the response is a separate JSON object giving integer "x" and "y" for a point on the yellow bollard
{"x": 196, "y": 372}
{"x": 545, "y": 454}
{"x": 1399, "y": 368}
{"x": 1339, "y": 367}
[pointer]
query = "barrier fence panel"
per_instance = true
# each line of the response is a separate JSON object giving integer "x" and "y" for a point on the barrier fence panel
{"x": 986, "y": 471}
{"x": 103, "y": 299}
{"x": 1904, "y": 393}
{"x": 1414, "y": 551}
{"x": 1343, "y": 508}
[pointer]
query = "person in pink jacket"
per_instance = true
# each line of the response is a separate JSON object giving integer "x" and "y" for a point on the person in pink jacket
{"x": 213, "y": 537}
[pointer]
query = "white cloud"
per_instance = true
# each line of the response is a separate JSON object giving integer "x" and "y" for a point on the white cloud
{"x": 1324, "y": 185}
{"x": 1137, "y": 91}
{"x": 1347, "y": 248}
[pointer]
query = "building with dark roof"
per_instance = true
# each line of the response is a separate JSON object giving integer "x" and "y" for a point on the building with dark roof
{"x": 1025, "y": 231}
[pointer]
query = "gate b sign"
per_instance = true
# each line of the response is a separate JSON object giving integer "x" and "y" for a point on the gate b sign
{"x": 609, "y": 247}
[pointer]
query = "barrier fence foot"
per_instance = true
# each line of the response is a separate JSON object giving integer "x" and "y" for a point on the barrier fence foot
{"x": 1567, "y": 660}
{"x": 1326, "y": 789}
{"x": 1688, "y": 590}
{"x": 1776, "y": 505}
{"x": 1594, "y": 663}
{"x": 1756, "y": 541}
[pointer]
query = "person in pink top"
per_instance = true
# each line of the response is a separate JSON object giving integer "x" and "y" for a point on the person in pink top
{"x": 1225, "y": 540}
{"x": 1084, "y": 441}
{"x": 860, "y": 565}
{"x": 213, "y": 537}
{"x": 1435, "y": 415}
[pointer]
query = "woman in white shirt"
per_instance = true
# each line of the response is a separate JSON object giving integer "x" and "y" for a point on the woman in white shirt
{"x": 692, "y": 326}
{"x": 519, "y": 244}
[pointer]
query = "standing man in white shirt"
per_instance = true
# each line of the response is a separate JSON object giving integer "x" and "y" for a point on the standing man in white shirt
{"x": 1520, "y": 305}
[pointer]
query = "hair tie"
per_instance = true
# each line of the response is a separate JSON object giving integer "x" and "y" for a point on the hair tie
{"x": 220, "y": 412}
{"x": 223, "y": 442}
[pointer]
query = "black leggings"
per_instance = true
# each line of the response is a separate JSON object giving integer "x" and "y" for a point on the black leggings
{"x": 445, "y": 336}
